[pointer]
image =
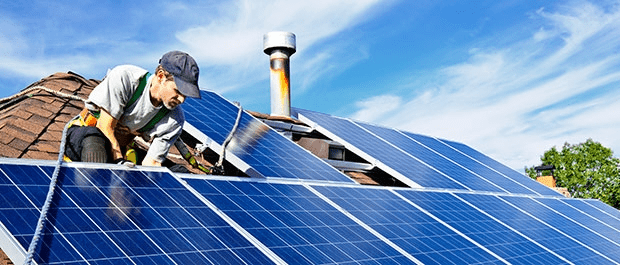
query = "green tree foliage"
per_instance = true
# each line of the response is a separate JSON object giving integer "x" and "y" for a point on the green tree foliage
{"x": 587, "y": 170}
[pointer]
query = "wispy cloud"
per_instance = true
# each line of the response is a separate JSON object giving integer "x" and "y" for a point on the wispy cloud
{"x": 232, "y": 45}
{"x": 224, "y": 36}
{"x": 514, "y": 102}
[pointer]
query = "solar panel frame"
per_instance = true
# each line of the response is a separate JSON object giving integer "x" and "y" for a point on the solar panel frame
{"x": 406, "y": 225}
{"x": 473, "y": 165}
{"x": 591, "y": 210}
{"x": 262, "y": 152}
{"x": 382, "y": 154}
{"x": 566, "y": 226}
{"x": 503, "y": 169}
{"x": 583, "y": 219}
{"x": 76, "y": 217}
{"x": 484, "y": 229}
{"x": 433, "y": 159}
{"x": 295, "y": 223}
{"x": 539, "y": 231}
{"x": 606, "y": 208}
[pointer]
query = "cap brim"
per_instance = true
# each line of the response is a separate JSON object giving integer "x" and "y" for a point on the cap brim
{"x": 186, "y": 88}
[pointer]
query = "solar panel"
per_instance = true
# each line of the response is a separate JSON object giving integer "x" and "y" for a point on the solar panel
{"x": 548, "y": 235}
{"x": 433, "y": 159}
{"x": 471, "y": 164}
{"x": 488, "y": 232}
{"x": 582, "y": 234}
{"x": 259, "y": 150}
{"x": 387, "y": 157}
{"x": 605, "y": 208}
{"x": 425, "y": 238}
{"x": 504, "y": 170}
{"x": 595, "y": 212}
{"x": 591, "y": 223}
{"x": 296, "y": 224}
{"x": 104, "y": 216}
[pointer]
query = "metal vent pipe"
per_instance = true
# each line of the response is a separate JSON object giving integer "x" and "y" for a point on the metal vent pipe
{"x": 280, "y": 46}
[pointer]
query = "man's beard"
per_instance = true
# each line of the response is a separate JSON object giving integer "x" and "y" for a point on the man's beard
{"x": 169, "y": 107}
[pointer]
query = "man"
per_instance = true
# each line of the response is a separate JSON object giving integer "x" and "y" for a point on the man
{"x": 131, "y": 102}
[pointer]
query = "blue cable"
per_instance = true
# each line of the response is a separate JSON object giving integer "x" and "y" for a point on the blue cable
{"x": 34, "y": 243}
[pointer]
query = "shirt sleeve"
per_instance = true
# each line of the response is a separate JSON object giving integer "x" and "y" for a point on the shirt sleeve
{"x": 164, "y": 134}
{"x": 116, "y": 89}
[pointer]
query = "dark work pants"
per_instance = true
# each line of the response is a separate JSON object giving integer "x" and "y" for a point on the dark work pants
{"x": 84, "y": 141}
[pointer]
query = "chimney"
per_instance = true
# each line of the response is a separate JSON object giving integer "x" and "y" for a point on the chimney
{"x": 280, "y": 46}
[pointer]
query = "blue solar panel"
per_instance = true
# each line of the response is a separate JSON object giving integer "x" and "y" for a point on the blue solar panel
{"x": 483, "y": 229}
{"x": 408, "y": 227}
{"x": 263, "y": 149}
{"x": 355, "y": 137}
{"x": 575, "y": 230}
{"x": 611, "y": 211}
{"x": 595, "y": 212}
{"x": 593, "y": 224}
{"x": 532, "y": 228}
{"x": 471, "y": 164}
{"x": 296, "y": 224}
{"x": 104, "y": 216}
{"x": 506, "y": 171}
{"x": 453, "y": 170}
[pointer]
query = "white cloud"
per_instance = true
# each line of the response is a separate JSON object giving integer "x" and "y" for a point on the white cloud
{"x": 376, "y": 108}
{"x": 225, "y": 37}
{"x": 517, "y": 101}
{"x": 232, "y": 44}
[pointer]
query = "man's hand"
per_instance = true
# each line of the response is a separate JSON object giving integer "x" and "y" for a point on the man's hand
{"x": 106, "y": 123}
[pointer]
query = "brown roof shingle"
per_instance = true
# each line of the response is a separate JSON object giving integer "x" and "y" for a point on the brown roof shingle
{"x": 31, "y": 125}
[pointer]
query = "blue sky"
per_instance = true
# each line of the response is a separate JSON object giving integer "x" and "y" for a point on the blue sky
{"x": 509, "y": 78}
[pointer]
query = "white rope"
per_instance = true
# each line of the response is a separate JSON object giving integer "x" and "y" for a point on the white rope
{"x": 54, "y": 92}
{"x": 48, "y": 200}
{"x": 34, "y": 243}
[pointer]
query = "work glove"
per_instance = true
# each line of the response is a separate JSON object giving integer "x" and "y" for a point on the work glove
{"x": 124, "y": 162}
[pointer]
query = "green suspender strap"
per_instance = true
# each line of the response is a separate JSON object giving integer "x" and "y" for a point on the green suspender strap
{"x": 136, "y": 95}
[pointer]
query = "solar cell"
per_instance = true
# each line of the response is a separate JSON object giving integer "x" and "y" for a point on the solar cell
{"x": 557, "y": 241}
{"x": 406, "y": 168}
{"x": 471, "y": 164}
{"x": 504, "y": 170}
{"x": 254, "y": 145}
{"x": 296, "y": 224}
{"x": 488, "y": 232}
{"x": 582, "y": 234}
{"x": 116, "y": 217}
{"x": 426, "y": 239}
{"x": 433, "y": 159}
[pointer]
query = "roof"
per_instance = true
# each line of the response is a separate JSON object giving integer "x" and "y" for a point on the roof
{"x": 431, "y": 201}
{"x": 32, "y": 125}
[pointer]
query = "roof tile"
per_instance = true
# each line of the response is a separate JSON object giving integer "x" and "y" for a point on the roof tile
{"x": 19, "y": 144}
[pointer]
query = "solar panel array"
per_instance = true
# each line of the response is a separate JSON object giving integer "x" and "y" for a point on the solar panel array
{"x": 462, "y": 207}
{"x": 150, "y": 216}
{"x": 264, "y": 150}
{"x": 421, "y": 161}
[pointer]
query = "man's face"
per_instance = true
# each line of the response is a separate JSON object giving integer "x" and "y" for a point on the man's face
{"x": 171, "y": 97}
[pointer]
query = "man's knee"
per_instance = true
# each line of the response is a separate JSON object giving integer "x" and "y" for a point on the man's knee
{"x": 87, "y": 144}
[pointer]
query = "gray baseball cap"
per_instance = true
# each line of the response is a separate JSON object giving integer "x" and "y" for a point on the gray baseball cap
{"x": 185, "y": 72}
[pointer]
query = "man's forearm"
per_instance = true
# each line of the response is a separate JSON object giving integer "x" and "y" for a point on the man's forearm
{"x": 106, "y": 124}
